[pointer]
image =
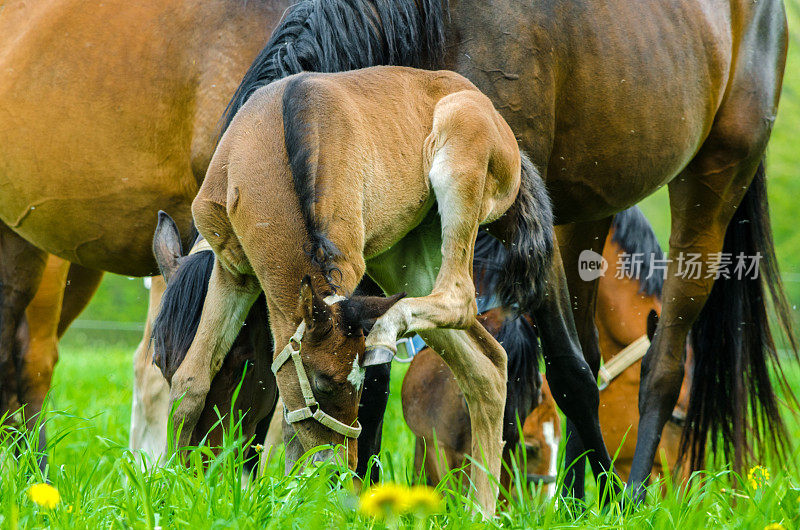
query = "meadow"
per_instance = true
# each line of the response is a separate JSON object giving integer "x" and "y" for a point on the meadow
{"x": 101, "y": 485}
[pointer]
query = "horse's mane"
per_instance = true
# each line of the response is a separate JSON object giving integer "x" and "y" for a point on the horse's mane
{"x": 340, "y": 35}
{"x": 517, "y": 336}
{"x": 634, "y": 234}
{"x": 178, "y": 317}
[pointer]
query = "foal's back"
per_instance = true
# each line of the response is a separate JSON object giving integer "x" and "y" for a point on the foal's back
{"x": 366, "y": 139}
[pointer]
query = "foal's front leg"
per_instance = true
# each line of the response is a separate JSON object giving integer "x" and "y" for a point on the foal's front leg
{"x": 226, "y": 305}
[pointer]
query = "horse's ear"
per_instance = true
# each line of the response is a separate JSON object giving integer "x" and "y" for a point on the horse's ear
{"x": 313, "y": 308}
{"x": 652, "y": 324}
{"x": 167, "y": 245}
{"x": 361, "y": 312}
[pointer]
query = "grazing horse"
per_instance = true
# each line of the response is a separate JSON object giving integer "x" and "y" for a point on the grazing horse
{"x": 349, "y": 188}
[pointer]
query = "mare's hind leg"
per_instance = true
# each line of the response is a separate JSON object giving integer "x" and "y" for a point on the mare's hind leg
{"x": 475, "y": 357}
{"x": 227, "y": 303}
{"x": 703, "y": 200}
{"x": 21, "y": 268}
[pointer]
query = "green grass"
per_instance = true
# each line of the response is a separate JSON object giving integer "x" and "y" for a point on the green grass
{"x": 101, "y": 486}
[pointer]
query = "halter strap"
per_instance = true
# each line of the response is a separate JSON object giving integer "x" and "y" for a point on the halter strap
{"x": 200, "y": 246}
{"x": 312, "y": 409}
{"x": 622, "y": 361}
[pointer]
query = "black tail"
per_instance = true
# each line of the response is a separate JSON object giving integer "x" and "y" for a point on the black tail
{"x": 530, "y": 244}
{"x": 518, "y": 337}
{"x": 732, "y": 397}
{"x": 340, "y": 35}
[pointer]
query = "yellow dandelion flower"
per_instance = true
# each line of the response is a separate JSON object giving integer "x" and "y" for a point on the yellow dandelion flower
{"x": 774, "y": 526}
{"x": 424, "y": 499}
{"x": 384, "y": 500}
{"x": 757, "y": 477}
{"x": 44, "y": 495}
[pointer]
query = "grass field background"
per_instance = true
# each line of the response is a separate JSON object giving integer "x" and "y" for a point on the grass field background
{"x": 101, "y": 487}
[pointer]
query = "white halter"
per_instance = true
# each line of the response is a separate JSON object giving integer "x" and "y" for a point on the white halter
{"x": 622, "y": 361}
{"x": 312, "y": 409}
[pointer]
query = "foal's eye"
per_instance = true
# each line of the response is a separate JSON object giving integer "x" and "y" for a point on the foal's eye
{"x": 323, "y": 383}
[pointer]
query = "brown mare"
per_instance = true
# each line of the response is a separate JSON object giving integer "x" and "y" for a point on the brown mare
{"x": 434, "y": 407}
{"x": 110, "y": 113}
{"x": 122, "y": 103}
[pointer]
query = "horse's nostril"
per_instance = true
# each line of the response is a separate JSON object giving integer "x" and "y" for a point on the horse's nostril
{"x": 322, "y": 456}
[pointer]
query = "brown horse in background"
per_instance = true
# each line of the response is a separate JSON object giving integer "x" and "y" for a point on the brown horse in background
{"x": 434, "y": 407}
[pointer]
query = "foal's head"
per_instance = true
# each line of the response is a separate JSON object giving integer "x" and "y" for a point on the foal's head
{"x": 331, "y": 347}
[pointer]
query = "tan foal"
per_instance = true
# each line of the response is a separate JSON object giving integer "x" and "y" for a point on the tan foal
{"x": 322, "y": 177}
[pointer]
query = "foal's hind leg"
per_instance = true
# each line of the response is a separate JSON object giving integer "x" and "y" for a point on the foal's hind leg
{"x": 475, "y": 357}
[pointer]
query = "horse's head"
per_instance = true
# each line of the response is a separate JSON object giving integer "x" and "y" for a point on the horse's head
{"x": 320, "y": 372}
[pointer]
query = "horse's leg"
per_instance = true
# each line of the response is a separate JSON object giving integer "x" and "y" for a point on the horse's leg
{"x": 21, "y": 268}
{"x": 150, "y": 404}
{"x": 81, "y": 285}
{"x": 374, "y": 398}
{"x": 227, "y": 303}
{"x": 476, "y": 359}
{"x": 574, "y": 239}
{"x": 39, "y": 360}
{"x": 703, "y": 199}
{"x": 571, "y": 381}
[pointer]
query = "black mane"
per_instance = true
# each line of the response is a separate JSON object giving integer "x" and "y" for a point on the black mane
{"x": 178, "y": 317}
{"x": 634, "y": 234}
{"x": 340, "y": 35}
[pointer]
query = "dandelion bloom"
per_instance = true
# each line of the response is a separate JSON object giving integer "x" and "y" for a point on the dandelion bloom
{"x": 383, "y": 500}
{"x": 774, "y": 526}
{"x": 757, "y": 477}
{"x": 44, "y": 495}
{"x": 424, "y": 499}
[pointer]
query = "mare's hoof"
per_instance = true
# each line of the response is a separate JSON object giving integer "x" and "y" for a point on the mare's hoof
{"x": 375, "y": 355}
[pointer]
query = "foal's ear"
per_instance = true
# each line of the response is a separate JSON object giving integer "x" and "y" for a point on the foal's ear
{"x": 361, "y": 312}
{"x": 652, "y": 324}
{"x": 167, "y": 245}
{"x": 313, "y": 308}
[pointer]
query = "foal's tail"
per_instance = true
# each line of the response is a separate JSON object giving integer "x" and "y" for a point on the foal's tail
{"x": 529, "y": 240}
{"x": 732, "y": 396}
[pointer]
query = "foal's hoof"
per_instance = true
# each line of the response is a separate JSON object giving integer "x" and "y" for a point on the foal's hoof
{"x": 378, "y": 355}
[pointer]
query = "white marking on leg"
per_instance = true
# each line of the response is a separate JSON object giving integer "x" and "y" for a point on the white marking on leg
{"x": 357, "y": 375}
{"x": 549, "y": 433}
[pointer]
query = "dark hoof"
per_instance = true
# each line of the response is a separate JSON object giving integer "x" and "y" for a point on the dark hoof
{"x": 375, "y": 355}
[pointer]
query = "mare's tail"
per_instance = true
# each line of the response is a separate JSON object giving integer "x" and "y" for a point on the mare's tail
{"x": 732, "y": 397}
{"x": 529, "y": 243}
